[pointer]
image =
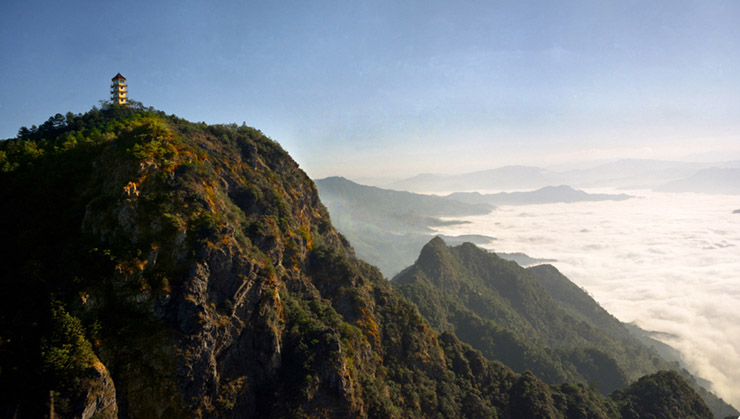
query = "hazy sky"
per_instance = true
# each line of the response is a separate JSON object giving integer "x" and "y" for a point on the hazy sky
{"x": 393, "y": 88}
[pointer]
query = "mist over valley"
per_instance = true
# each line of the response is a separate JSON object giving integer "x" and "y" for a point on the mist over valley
{"x": 667, "y": 262}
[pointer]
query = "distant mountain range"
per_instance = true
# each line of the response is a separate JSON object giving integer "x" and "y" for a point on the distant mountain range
{"x": 625, "y": 174}
{"x": 546, "y": 195}
{"x": 713, "y": 180}
{"x": 518, "y": 257}
{"x": 507, "y": 177}
{"x": 404, "y": 212}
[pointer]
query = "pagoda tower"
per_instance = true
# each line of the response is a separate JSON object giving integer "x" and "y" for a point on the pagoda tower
{"x": 118, "y": 90}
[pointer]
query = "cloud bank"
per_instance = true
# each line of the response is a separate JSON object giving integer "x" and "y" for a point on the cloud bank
{"x": 668, "y": 262}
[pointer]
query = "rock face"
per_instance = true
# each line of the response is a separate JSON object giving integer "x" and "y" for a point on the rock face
{"x": 194, "y": 270}
{"x": 99, "y": 401}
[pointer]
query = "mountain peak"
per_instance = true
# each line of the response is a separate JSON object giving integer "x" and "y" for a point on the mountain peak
{"x": 435, "y": 259}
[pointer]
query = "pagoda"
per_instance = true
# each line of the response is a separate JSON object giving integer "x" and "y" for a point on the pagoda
{"x": 118, "y": 90}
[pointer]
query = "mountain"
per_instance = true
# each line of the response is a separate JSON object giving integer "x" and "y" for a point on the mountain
{"x": 715, "y": 404}
{"x": 466, "y": 290}
{"x": 388, "y": 228}
{"x": 579, "y": 304}
{"x": 623, "y": 173}
{"x": 154, "y": 267}
{"x": 518, "y": 257}
{"x": 406, "y": 211}
{"x": 530, "y": 319}
{"x": 713, "y": 181}
{"x": 631, "y": 173}
{"x": 507, "y": 177}
{"x": 546, "y": 195}
{"x": 653, "y": 395}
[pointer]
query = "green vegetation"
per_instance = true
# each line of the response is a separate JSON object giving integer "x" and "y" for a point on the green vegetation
{"x": 65, "y": 352}
{"x": 530, "y": 319}
{"x": 578, "y": 304}
{"x": 661, "y": 395}
{"x": 154, "y": 267}
{"x": 500, "y": 309}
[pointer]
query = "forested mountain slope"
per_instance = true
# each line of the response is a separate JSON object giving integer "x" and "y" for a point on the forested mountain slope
{"x": 530, "y": 319}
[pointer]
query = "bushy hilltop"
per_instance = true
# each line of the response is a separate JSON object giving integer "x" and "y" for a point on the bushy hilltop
{"x": 153, "y": 267}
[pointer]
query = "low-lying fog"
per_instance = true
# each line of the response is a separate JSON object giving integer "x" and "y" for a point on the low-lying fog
{"x": 669, "y": 262}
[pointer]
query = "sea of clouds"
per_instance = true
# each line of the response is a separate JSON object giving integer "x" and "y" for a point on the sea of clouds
{"x": 668, "y": 262}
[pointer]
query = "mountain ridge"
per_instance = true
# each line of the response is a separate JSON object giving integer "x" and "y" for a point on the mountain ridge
{"x": 622, "y": 174}
{"x": 511, "y": 313}
{"x": 546, "y": 195}
{"x": 712, "y": 180}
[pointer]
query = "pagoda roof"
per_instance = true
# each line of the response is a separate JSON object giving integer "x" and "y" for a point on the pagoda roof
{"x": 118, "y": 77}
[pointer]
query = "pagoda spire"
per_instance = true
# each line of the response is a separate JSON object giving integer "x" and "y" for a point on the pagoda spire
{"x": 118, "y": 90}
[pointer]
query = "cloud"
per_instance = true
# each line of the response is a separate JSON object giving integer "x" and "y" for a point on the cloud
{"x": 668, "y": 262}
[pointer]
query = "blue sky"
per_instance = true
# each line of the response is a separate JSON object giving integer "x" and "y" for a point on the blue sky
{"x": 394, "y": 88}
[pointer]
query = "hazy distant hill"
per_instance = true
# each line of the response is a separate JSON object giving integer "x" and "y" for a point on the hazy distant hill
{"x": 624, "y": 173}
{"x": 408, "y": 212}
{"x": 714, "y": 181}
{"x": 518, "y": 257}
{"x": 631, "y": 173}
{"x": 388, "y": 228}
{"x": 546, "y": 195}
{"x": 508, "y": 177}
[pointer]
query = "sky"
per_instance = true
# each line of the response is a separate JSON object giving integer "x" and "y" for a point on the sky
{"x": 396, "y": 88}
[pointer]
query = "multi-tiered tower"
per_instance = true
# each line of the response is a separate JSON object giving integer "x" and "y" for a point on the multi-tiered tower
{"x": 118, "y": 90}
